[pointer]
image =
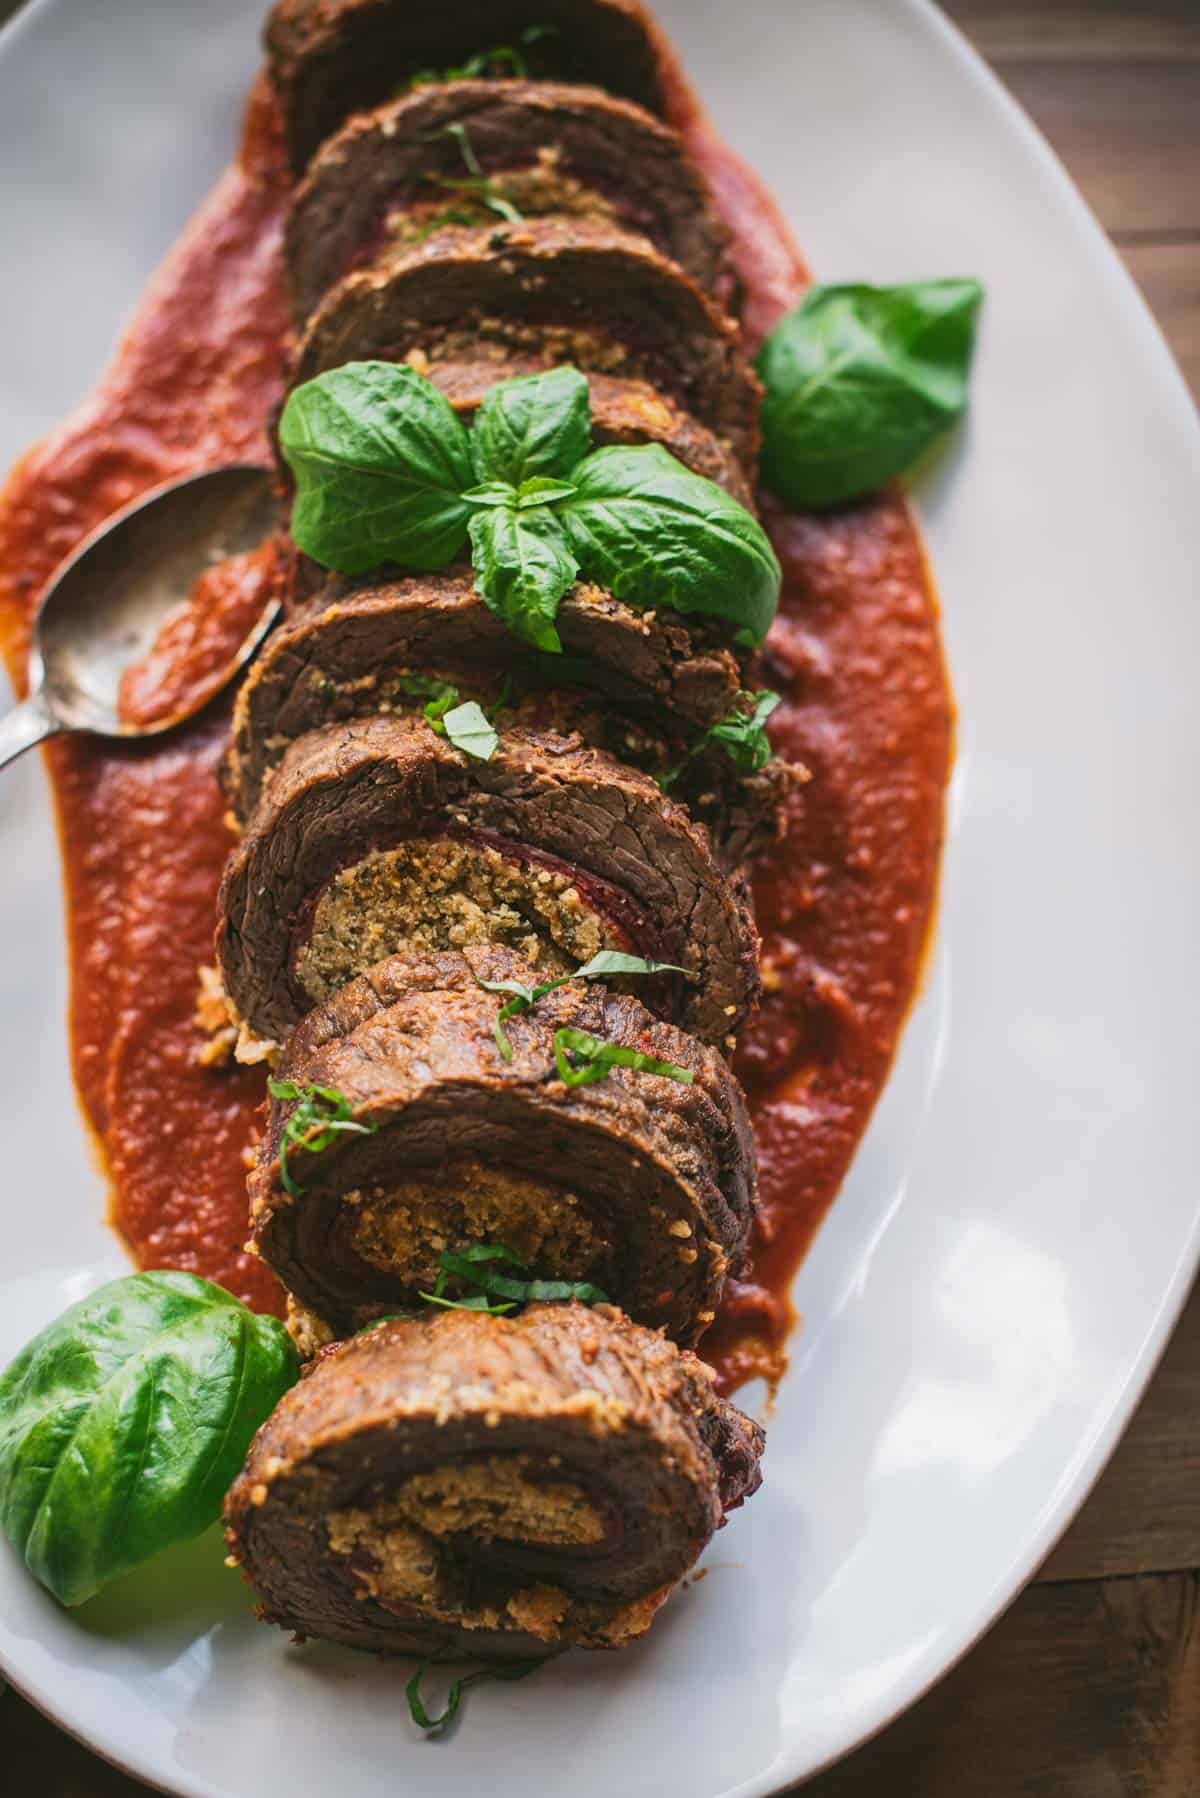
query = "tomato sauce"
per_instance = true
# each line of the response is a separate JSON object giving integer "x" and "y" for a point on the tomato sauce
{"x": 844, "y": 902}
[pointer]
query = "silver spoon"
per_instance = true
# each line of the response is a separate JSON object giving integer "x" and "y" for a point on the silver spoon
{"x": 105, "y": 606}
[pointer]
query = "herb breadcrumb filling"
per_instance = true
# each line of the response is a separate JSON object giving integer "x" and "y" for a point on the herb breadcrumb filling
{"x": 432, "y": 894}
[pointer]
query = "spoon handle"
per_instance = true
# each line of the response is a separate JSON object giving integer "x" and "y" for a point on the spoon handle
{"x": 27, "y": 724}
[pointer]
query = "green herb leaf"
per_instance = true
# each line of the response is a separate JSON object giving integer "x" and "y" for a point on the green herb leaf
{"x": 322, "y": 1114}
{"x": 381, "y": 461}
{"x": 859, "y": 382}
{"x": 492, "y": 493}
{"x": 612, "y": 961}
{"x": 478, "y": 1301}
{"x": 582, "y": 1060}
{"x": 473, "y": 1271}
{"x": 508, "y": 1671}
{"x": 542, "y": 490}
{"x": 533, "y": 425}
{"x": 743, "y": 735}
{"x": 523, "y": 566}
{"x": 124, "y": 1422}
{"x": 469, "y": 730}
{"x": 652, "y": 532}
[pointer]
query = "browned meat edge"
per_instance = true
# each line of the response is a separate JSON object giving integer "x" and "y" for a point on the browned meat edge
{"x": 665, "y": 1170}
{"x": 587, "y": 1396}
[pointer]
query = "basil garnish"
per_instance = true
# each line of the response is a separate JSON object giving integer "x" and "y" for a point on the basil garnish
{"x": 648, "y": 529}
{"x": 468, "y": 729}
{"x": 322, "y": 1114}
{"x": 502, "y": 59}
{"x": 524, "y": 565}
{"x": 859, "y": 382}
{"x": 124, "y": 1421}
{"x": 477, "y": 1267}
{"x": 538, "y": 509}
{"x": 533, "y": 425}
{"x": 582, "y": 1060}
{"x": 607, "y": 962}
{"x": 505, "y": 1670}
{"x": 381, "y": 464}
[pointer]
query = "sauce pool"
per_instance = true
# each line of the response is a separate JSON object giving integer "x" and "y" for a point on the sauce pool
{"x": 844, "y": 902}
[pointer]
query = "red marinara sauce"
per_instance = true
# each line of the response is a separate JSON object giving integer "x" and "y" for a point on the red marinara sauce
{"x": 844, "y": 902}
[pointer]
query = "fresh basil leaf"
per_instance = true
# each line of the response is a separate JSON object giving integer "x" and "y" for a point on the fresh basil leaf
{"x": 612, "y": 961}
{"x": 582, "y": 1060}
{"x": 123, "y": 1423}
{"x": 541, "y": 490}
{"x": 492, "y": 493}
{"x": 859, "y": 382}
{"x": 523, "y": 566}
{"x": 743, "y": 735}
{"x": 469, "y": 730}
{"x": 533, "y": 425}
{"x": 381, "y": 461}
{"x": 651, "y": 531}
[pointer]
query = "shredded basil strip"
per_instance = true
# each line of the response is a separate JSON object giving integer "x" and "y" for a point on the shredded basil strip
{"x": 742, "y": 735}
{"x": 475, "y": 1266}
{"x": 582, "y": 1060}
{"x": 607, "y": 962}
{"x": 322, "y": 1114}
{"x": 507, "y": 1671}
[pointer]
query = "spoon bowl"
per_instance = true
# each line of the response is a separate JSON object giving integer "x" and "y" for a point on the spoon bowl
{"x": 107, "y": 603}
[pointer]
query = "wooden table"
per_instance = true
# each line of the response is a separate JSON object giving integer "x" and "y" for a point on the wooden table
{"x": 1090, "y": 1686}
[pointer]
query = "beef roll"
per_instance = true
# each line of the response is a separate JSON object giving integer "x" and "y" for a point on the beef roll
{"x": 570, "y": 290}
{"x": 470, "y": 151}
{"x": 641, "y": 1184}
{"x": 354, "y": 650}
{"x": 379, "y": 837}
{"x": 331, "y": 58}
{"x": 463, "y": 1485}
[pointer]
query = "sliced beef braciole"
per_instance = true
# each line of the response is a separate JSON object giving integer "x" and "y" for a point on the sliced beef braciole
{"x": 639, "y": 1184}
{"x": 353, "y": 651}
{"x": 332, "y": 58}
{"x": 569, "y": 290}
{"x": 481, "y": 1486}
{"x": 378, "y": 838}
{"x": 405, "y": 171}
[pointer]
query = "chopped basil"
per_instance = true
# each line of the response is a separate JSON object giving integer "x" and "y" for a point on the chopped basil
{"x": 489, "y": 192}
{"x": 469, "y": 730}
{"x": 322, "y": 1114}
{"x": 607, "y": 962}
{"x": 859, "y": 382}
{"x": 582, "y": 1060}
{"x": 502, "y": 59}
{"x": 741, "y": 734}
{"x": 510, "y": 1671}
{"x": 478, "y": 1269}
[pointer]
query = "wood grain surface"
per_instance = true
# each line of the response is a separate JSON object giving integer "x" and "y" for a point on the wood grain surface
{"x": 1089, "y": 1687}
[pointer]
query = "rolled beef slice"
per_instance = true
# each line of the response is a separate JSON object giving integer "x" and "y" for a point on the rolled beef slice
{"x": 331, "y": 58}
{"x": 567, "y": 290}
{"x": 356, "y": 650}
{"x": 400, "y": 173}
{"x": 471, "y": 1485}
{"x": 380, "y": 837}
{"x": 639, "y": 1184}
